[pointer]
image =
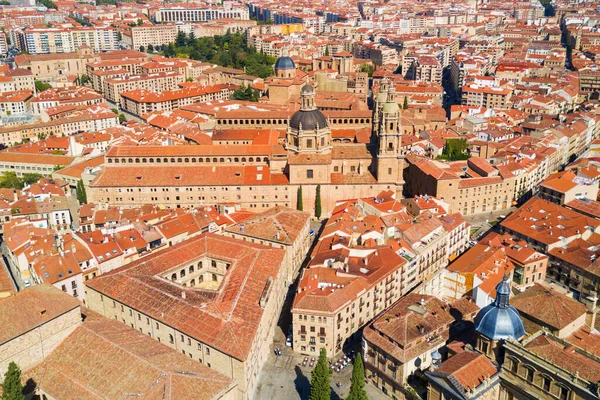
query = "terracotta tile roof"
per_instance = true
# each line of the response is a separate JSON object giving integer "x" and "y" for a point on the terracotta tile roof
{"x": 467, "y": 370}
{"x": 558, "y": 311}
{"x": 226, "y": 319}
{"x": 277, "y": 224}
{"x": 547, "y": 222}
{"x": 49, "y": 159}
{"x": 32, "y": 307}
{"x": 109, "y": 360}
{"x": 76, "y": 170}
{"x": 414, "y": 317}
{"x": 191, "y": 151}
{"x": 566, "y": 357}
{"x": 189, "y": 176}
{"x": 6, "y": 282}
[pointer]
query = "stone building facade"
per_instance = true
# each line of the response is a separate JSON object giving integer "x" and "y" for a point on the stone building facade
{"x": 260, "y": 177}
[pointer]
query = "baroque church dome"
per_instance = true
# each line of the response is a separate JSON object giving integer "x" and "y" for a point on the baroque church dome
{"x": 308, "y": 117}
{"x": 499, "y": 320}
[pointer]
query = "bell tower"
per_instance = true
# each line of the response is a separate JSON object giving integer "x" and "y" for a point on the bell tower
{"x": 390, "y": 162}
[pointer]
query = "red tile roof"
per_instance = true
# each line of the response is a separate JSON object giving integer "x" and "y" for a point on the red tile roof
{"x": 109, "y": 360}
{"x": 226, "y": 319}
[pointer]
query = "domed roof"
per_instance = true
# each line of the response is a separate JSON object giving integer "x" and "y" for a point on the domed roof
{"x": 307, "y": 90}
{"x": 310, "y": 120}
{"x": 500, "y": 320}
{"x": 285, "y": 62}
{"x": 391, "y": 108}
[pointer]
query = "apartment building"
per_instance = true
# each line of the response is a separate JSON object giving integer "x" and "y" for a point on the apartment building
{"x": 156, "y": 35}
{"x": 155, "y": 82}
{"x": 59, "y": 40}
{"x": 563, "y": 187}
{"x": 184, "y": 302}
{"x": 90, "y": 120}
{"x": 370, "y": 253}
{"x": 407, "y": 338}
{"x": 485, "y": 96}
{"x": 469, "y": 187}
{"x": 142, "y": 101}
{"x": 15, "y": 102}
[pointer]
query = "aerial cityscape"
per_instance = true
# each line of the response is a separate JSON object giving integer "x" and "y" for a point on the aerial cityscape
{"x": 308, "y": 200}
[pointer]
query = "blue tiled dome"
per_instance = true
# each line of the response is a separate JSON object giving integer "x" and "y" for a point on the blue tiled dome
{"x": 500, "y": 320}
{"x": 284, "y": 63}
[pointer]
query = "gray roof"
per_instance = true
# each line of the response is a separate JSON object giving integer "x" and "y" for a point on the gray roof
{"x": 285, "y": 63}
{"x": 500, "y": 320}
{"x": 310, "y": 120}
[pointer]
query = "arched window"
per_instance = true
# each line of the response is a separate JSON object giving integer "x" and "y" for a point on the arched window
{"x": 182, "y": 273}
{"x": 131, "y": 161}
{"x": 144, "y": 160}
{"x": 172, "y": 159}
{"x": 174, "y": 276}
{"x": 110, "y": 160}
{"x": 187, "y": 160}
{"x": 201, "y": 279}
{"x": 214, "y": 159}
{"x": 158, "y": 160}
{"x": 529, "y": 374}
{"x": 171, "y": 339}
{"x": 236, "y": 159}
{"x": 214, "y": 277}
{"x": 243, "y": 159}
{"x": 191, "y": 269}
{"x": 221, "y": 159}
{"x": 165, "y": 159}
{"x": 179, "y": 160}
{"x": 194, "y": 159}
{"x": 193, "y": 282}
{"x": 251, "y": 159}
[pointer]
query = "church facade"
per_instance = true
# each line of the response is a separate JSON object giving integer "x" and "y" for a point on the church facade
{"x": 257, "y": 177}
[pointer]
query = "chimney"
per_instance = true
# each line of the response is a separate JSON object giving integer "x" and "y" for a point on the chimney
{"x": 183, "y": 295}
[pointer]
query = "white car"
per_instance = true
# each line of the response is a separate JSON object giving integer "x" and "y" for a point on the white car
{"x": 26, "y": 283}
{"x": 472, "y": 242}
{"x": 288, "y": 341}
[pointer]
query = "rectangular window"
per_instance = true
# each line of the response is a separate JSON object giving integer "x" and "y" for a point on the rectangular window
{"x": 309, "y": 173}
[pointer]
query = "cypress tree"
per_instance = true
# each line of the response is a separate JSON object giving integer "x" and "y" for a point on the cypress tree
{"x": 320, "y": 387}
{"x": 12, "y": 389}
{"x": 80, "y": 191}
{"x": 318, "y": 202}
{"x": 299, "y": 204}
{"x": 357, "y": 385}
{"x": 326, "y": 50}
{"x": 405, "y": 105}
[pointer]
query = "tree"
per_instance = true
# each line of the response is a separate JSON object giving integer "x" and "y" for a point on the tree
{"x": 115, "y": 111}
{"x": 320, "y": 387}
{"x": 30, "y": 178}
{"x": 405, "y": 105}
{"x": 150, "y": 48}
{"x": 12, "y": 389}
{"x": 299, "y": 205}
{"x": 181, "y": 39}
{"x": 84, "y": 79}
{"x": 367, "y": 68}
{"x": 122, "y": 118}
{"x": 57, "y": 167}
{"x": 326, "y": 50}
{"x": 10, "y": 180}
{"x": 81, "y": 194}
{"x": 318, "y": 202}
{"x": 357, "y": 387}
{"x": 41, "y": 86}
{"x": 142, "y": 49}
{"x": 140, "y": 22}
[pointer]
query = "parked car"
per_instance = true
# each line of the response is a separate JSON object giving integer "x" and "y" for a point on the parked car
{"x": 26, "y": 283}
